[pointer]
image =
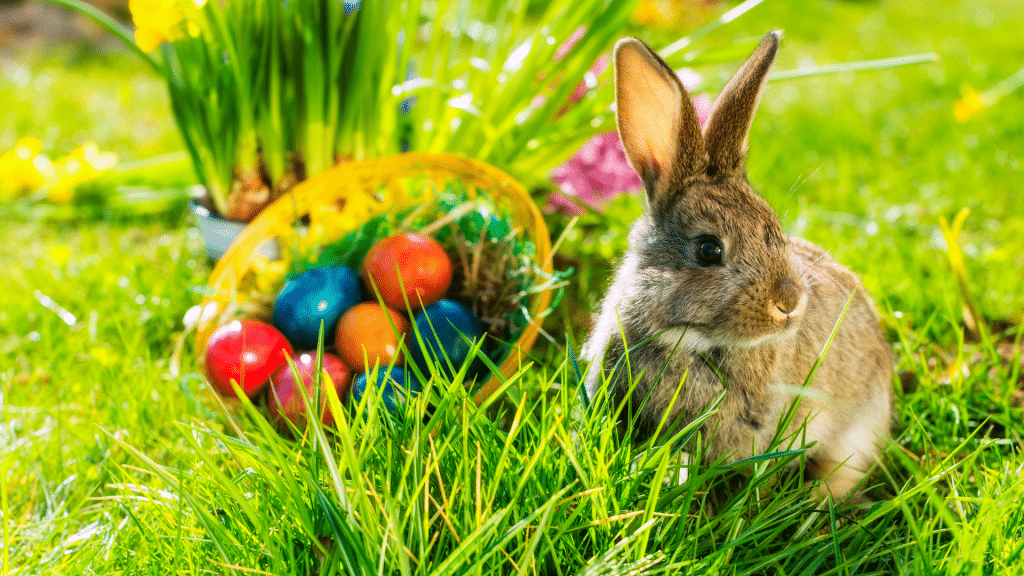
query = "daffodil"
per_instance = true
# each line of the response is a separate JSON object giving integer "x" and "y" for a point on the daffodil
{"x": 69, "y": 173}
{"x": 647, "y": 13}
{"x": 972, "y": 101}
{"x": 99, "y": 162}
{"x": 81, "y": 165}
{"x": 671, "y": 13}
{"x": 27, "y": 147}
{"x": 59, "y": 255}
{"x": 23, "y": 169}
{"x": 157, "y": 21}
{"x": 969, "y": 105}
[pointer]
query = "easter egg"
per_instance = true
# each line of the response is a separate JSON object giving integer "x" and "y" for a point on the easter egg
{"x": 407, "y": 267}
{"x": 394, "y": 384}
{"x": 285, "y": 400}
{"x": 441, "y": 327}
{"x": 246, "y": 351}
{"x": 317, "y": 295}
{"x": 368, "y": 335}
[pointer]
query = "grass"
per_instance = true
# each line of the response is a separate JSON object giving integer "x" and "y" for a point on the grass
{"x": 110, "y": 467}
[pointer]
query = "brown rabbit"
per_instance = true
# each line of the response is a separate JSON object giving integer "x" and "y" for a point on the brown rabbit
{"x": 712, "y": 296}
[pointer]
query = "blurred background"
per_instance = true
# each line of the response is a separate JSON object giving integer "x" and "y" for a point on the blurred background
{"x": 910, "y": 175}
{"x": 865, "y": 162}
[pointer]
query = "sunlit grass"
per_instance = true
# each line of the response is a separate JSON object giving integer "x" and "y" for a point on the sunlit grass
{"x": 112, "y": 465}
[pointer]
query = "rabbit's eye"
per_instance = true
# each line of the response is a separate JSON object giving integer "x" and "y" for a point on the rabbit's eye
{"x": 709, "y": 251}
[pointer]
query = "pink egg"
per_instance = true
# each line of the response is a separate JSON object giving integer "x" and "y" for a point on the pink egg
{"x": 285, "y": 401}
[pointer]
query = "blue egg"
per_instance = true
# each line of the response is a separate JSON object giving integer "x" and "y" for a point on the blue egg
{"x": 318, "y": 294}
{"x": 441, "y": 326}
{"x": 395, "y": 385}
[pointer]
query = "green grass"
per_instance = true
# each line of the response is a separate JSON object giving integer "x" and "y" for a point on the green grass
{"x": 110, "y": 467}
{"x": 68, "y": 96}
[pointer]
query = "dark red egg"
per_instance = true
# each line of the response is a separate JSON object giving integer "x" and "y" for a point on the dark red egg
{"x": 285, "y": 401}
{"x": 246, "y": 351}
{"x": 407, "y": 266}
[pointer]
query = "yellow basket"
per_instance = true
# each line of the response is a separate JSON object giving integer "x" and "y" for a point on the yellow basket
{"x": 342, "y": 199}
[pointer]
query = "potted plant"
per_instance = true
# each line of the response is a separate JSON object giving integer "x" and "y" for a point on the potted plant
{"x": 267, "y": 93}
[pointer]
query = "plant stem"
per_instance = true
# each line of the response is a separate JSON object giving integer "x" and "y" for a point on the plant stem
{"x": 880, "y": 64}
{"x": 112, "y": 26}
{"x": 951, "y": 232}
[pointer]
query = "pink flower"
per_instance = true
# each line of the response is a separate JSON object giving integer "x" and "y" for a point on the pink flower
{"x": 599, "y": 171}
{"x": 594, "y": 175}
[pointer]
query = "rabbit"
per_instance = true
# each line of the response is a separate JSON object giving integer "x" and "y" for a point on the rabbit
{"x": 712, "y": 296}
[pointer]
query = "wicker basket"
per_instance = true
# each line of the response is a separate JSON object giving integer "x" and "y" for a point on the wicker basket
{"x": 343, "y": 198}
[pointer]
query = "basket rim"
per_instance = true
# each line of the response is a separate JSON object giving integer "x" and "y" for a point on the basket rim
{"x": 239, "y": 257}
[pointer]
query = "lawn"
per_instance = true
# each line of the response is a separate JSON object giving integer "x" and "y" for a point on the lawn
{"x": 116, "y": 459}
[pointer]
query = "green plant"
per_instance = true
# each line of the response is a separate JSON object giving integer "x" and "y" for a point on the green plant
{"x": 864, "y": 164}
{"x": 267, "y": 93}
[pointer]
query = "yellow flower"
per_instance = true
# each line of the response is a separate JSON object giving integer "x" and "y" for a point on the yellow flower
{"x": 969, "y": 105}
{"x": 89, "y": 154}
{"x": 83, "y": 164}
{"x": 59, "y": 255}
{"x": 63, "y": 188}
{"x": 27, "y": 147}
{"x": 647, "y": 13}
{"x": 23, "y": 169}
{"x": 159, "y": 20}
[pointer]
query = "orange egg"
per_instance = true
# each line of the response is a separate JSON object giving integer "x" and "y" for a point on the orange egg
{"x": 365, "y": 336}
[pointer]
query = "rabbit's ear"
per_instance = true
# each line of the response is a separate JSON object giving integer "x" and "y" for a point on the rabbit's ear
{"x": 656, "y": 119}
{"x": 730, "y": 118}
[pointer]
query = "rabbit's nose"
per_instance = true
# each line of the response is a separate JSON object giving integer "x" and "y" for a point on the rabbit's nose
{"x": 789, "y": 302}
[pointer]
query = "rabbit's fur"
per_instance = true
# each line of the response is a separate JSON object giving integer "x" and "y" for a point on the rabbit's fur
{"x": 760, "y": 317}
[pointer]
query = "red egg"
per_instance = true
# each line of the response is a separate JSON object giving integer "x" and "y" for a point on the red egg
{"x": 246, "y": 351}
{"x": 367, "y": 337}
{"x": 285, "y": 401}
{"x": 418, "y": 261}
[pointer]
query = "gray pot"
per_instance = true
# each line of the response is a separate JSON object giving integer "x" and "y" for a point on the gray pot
{"x": 218, "y": 233}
